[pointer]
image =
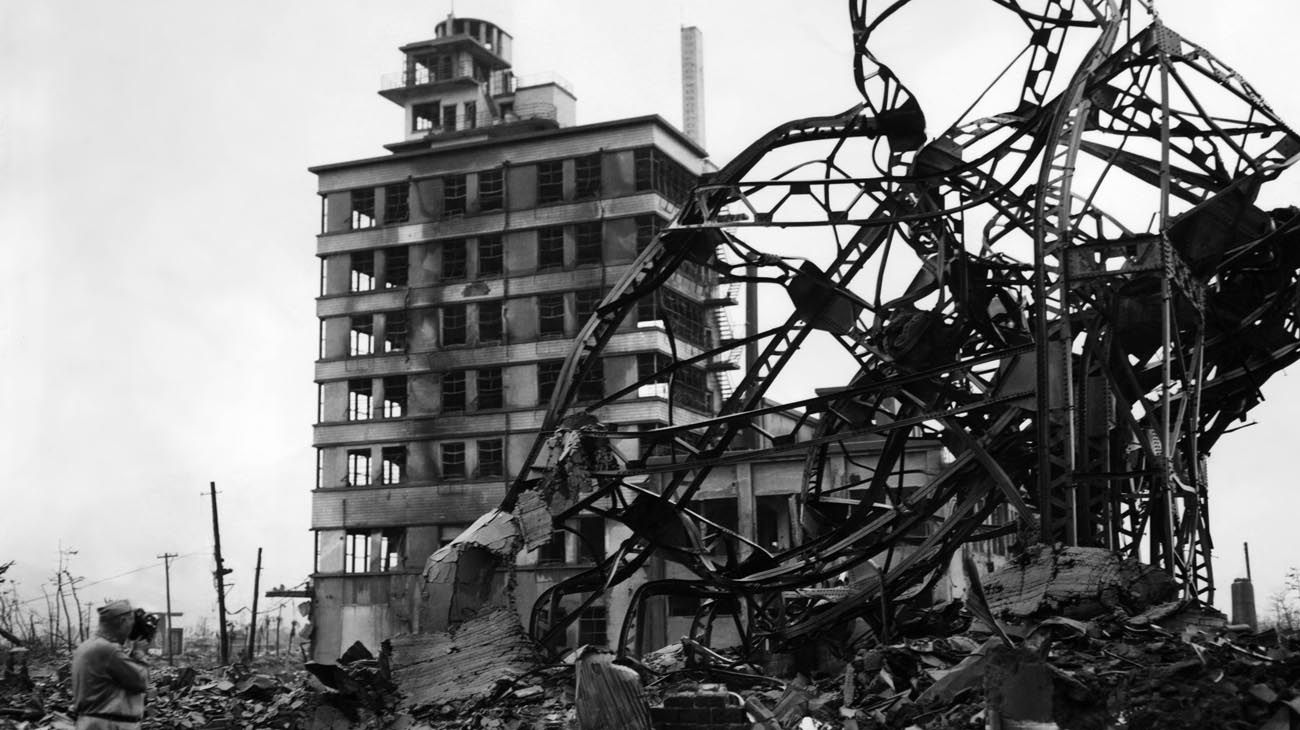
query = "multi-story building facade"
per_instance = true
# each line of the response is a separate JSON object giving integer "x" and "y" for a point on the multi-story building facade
{"x": 455, "y": 272}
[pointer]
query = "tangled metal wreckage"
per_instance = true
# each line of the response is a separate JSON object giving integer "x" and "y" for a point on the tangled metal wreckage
{"x": 1072, "y": 290}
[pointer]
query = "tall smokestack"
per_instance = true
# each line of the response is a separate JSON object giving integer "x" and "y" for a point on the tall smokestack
{"x": 693, "y": 83}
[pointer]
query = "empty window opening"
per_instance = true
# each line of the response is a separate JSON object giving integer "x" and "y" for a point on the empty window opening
{"x": 453, "y": 460}
{"x": 358, "y": 467}
{"x": 490, "y": 388}
{"x": 491, "y": 458}
{"x": 396, "y": 203}
{"x": 424, "y": 117}
{"x": 550, "y": 182}
{"x": 393, "y": 464}
{"x": 395, "y": 332}
{"x": 550, "y": 314}
{"x": 550, "y": 247}
{"x": 491, "y": 190}
{"x": 491, "y": 256}
{"x": 394, "y": 396}
{"x": 360, "y": 396}
{"x": 588, "y": 240}
{"x": 453, "y": 391}
{"x": 455, "y": 263}
{"x": 453, "y": 325}
{"x": 548, "y": 374}
{"x": 392, "y": 549}
{"x": 362, "y": 265}
{"x": 471, "y": 115}
{"x": 591, "y": 547}
{"x": 362, "y": 335}
{"x": 585, "y": 302}
{"x": 449, "y": 118}
{"x": 356, "y": 551}
{"x": 363, "y": 208}
{"x": 552, "y": 553}
{"x": 397, "y": 267}
{"x": 587, "y": 177}
{"x": 489, "y": 322}
{"x": 453, "y": 195}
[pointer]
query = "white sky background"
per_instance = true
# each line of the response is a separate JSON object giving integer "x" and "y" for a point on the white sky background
{"x": 157, "y": 224}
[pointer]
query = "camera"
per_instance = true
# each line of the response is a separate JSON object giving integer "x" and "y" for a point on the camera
{"x": 145, "y": 626}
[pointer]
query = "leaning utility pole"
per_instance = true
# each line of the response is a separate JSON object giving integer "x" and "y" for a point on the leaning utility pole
{"x": 252, "y": 626}
{"x": 167, "y": 576}
{"x": 220, "y": 575}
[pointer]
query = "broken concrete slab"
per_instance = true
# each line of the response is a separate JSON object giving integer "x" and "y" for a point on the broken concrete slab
{"x": 1077, "y": 582}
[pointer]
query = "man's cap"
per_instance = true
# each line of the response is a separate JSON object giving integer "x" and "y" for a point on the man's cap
{"x": 114, "y": 608}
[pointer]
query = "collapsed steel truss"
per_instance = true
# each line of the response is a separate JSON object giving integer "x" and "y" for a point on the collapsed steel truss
{"x": 1074, "y": 295}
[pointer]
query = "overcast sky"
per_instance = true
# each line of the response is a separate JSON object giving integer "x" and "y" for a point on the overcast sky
{"x": 158, "y": 222}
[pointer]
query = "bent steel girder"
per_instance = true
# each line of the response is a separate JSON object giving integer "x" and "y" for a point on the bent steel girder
{"x": 1072, "y": 298}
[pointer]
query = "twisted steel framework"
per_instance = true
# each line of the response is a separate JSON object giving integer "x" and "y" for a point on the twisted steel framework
{"x": 1077, "y": 361}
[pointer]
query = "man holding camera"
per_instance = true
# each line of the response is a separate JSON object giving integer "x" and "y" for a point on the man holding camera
{"x": 109, "y": 676}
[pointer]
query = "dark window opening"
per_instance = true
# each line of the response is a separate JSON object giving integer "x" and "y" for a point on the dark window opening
{"x": 491, "y": 458}
{"x": 449, "y": 118}
{"x": 489, "y": 322}
{"x": 453, "y": 391}
{"x": 552, "y": 553}
{"x": 396, "y": 203}
{"x": 454, "y": 195}
{"x": 690, "y": 605}
{"x": 453, "y": 325}
{"x": 550, "y": 247}
{"x": 360, "y": 396}
{"x": 550, "y": 182}
{"x": 362, "y": 335}
{"x": 491, "y": 256}
{"x": 490, "y": 388}
{"x": 392, "y": 546}
{"x": 453, "y": 460}
{"x": 550, "y": 314}
{"x": 690, "y": 384}
{"x": 471, "y": 115}
{"x": 587, "y": 177}
{"x": 591, "y": 626}
{"x": 393, "y": 464}
{"x": 685, "y": 317}
{"x": 588, "y": 242}
{"x": 548, "y": 374}
{"x": 455, "y": 261}
{"x": 362, "y": 266}
{"x": 591, "y": 546}
{"x": 397, "y": 267}
{"x": 424, "y": 117}
{"x": 395, "y": 332}
{"x": 646, "y": 228}
{"x": 585, "y": 302}
{"x": 721, "y": 512}
{"x": 358, "y": 467}
{"x": 654, "y": 170}
{"x": 491, "y": 190}
{"x": 592, "y": 386}
{"x": 363, "y": 208}
{"x": 394, "y": 396}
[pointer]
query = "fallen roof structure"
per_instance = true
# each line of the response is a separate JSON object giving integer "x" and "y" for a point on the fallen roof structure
{"x": 1071, "y": 289}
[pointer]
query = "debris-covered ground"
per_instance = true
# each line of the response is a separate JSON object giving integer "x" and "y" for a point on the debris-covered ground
{"x": 1173, "y": 666}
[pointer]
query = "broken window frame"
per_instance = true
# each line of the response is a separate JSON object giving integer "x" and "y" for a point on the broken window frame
{"x": 361, "y": 335}
{"x": 397, "y": 203}
{"x": 548, "y": 376}
{"x": 550, "y": 248}
{"x": 392, "y": 549}
{"x": 361, "y": 399}
{"x": 454, "y": 393}
{"x": 358, "y": 467}
{"x": 395, "y": 397}
{"x": 491, "y": 459}
{"x": 356, "y": 549}
{"x": 455, "y": 260}
{"x": 646, "y": 228}
{"x": 491, "y": 190}
{"x": 653, "y": 170}
{"x": 585, "y": 304}
{"x": 589, "y": 244}
{"x": 361, "y": 272}
{"x": 550, "y": 182}
{"x": 425, "y": 117}
{"x": 451, "y": 459}
{"x": 491, "y": 256}
{"x": 455, "y": 195}
{"x": 587, "y": 177}
{"x": 550, "y": 315}
{"x": 363, "y": 209}
{"x": 392, "y": 464}
{"x": 455, "y": 325}
{"x": 592, "y": 387}
{"x": 395, "y": 331}
{"x": 397, "y": 267}
{"x": 490, "y": 389}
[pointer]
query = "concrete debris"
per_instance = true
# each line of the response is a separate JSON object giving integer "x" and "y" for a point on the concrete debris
{"x": 608, "y": 695}
{"x": 1076, "y": 582}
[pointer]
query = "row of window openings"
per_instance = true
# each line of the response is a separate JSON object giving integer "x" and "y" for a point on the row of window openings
{"x": 452, "y": 465}
{"x": 652, "y": 170}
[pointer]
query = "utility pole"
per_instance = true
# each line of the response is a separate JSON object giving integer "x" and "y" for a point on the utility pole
{"x": 167, "y": 576}
{"x": 278, "y": 618}
{"x": 252, "y": 626}
{"x": 220, "y": 575}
